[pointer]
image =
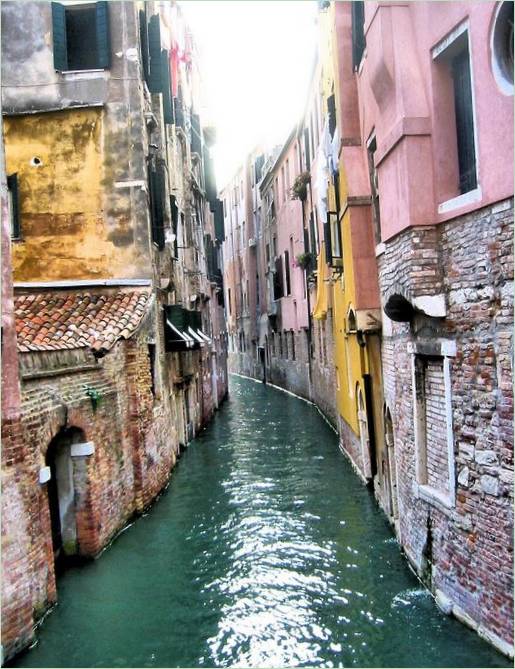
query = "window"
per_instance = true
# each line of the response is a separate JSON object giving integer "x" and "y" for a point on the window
{"x": 278, "y": 279}
{"x": 292, "y": 345}
{"x": 274, "y": 246}
{"x": 502, "y": 48}
{"x": 243, "y": 235}
{"x": 267, "y": 254}
{"x": 229, "y": 300}
{"x": 287, "y": 272}
{"x": 331, "y": 113}
{"x": 14, "y": 206}
{"x": 464, "y": 121}
{"x": 156, "y": 179}
{"x": 287, "y": 177}
{"x": 283, "y": 184}
{"x": 306, "y": 149}
{"x": 434, "y": 441}
{"x": 374, "y": 188}
{"x": 152, "y": 360}
{"x": 358, "y": 32}
{"x": 81, "y": 36}
{"x": 452, "y": 58}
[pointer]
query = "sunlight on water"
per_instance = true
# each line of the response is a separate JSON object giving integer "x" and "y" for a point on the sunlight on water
{"x": 265, "y": 551}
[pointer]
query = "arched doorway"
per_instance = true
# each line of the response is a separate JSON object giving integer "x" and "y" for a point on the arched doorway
{"x": 363, "y": 433}
{"x": 391, "y": 465}
{"x": 61, "y": 493}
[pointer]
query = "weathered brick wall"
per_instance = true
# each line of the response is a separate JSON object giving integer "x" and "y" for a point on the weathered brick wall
{"x": 465, "y": 552}
{"x": 436, "y": 426}
{"x": 323, "y": 371}
{"x": 17, "y": 620}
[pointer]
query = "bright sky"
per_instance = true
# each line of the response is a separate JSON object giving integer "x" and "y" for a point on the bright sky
{"x": 256, "y": 58}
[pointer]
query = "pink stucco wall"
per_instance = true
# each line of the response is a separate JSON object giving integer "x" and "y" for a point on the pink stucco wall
{"x": 290, "y": 236}
{"x": 405, "y": 98}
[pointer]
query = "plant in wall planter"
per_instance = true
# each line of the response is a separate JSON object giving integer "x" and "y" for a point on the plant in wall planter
{"x": 299, "y": 190}
{"x": 94, "y": 395}
{"x": 306, "y": 261}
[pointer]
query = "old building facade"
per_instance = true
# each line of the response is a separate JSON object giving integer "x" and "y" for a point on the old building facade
{"x": 114, "y": 231}
{"x": 402, "y": 218}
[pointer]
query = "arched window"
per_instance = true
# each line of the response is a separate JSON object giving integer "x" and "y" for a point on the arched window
{"x": 351, "y": 321}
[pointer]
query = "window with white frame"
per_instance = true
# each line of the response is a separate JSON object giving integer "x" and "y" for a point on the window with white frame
{"x": 432, "y": 407}
{"x": 452, "y": 60}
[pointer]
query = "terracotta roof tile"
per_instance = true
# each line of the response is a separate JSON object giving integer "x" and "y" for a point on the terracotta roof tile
{"x": 66, "y": 320}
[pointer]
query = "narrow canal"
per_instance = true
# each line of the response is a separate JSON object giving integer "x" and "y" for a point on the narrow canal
{"x": 265, "y": 551}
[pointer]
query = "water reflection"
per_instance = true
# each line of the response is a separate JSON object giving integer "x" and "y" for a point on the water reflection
{"x": 265, "y": 551}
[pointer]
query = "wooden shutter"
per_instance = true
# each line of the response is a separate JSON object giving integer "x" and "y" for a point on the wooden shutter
{"x": 278, "y": 279}
{"x": 358, "y": 32}
{"x": 157, "y": 191}
{"x": 287, "y": 271}
{"x": 166, "y": 87}
{"x": 12, "y": 185}
{"x": 103, "y": 41}
{"x": 154, "y": 49}
{"x": 306, "y": 148}
{"x": 328, "y": 242}
{"x": 331, "y": 112}
{"x": 143, "y": 38}
{"x": 59, "y": 37}
{"x": 464, "y": 121}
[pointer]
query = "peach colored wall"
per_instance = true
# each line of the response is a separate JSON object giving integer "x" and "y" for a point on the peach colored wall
{"x": 289, "y": 225}
{"x": 404, "y": 97}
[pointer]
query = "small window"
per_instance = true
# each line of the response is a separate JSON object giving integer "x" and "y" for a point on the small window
{"x": 14, "y": 206}
{"x": 358, "y": 32}
{"x": 81, "y": 36}
{"x": 502, "y": 48}
{"x": 331, "y": 113}
{"x": 287, "y": 272}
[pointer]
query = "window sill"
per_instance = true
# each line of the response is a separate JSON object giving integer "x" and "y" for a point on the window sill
{"x": 429, "y": 494}
{"x": 460, "y": 201}
{"x": 82, "y": 75}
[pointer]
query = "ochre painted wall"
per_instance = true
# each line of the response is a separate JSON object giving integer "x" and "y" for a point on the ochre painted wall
{"x": 62, "y": 199}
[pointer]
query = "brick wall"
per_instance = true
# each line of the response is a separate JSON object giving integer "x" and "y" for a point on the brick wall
{"x": 463, "y": 552}
{"x": 437, "y": 469}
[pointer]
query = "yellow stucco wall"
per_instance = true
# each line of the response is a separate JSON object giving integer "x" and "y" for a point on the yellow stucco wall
{"x": 349, "y": 359}
{"x": 63, "y": 229}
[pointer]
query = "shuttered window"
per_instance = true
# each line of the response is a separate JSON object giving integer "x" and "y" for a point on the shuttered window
{"x": 156, "y": 178}
{"x": 278, "y": 279}
{"x": 306, "y": 149}
{"x": 166, "y": 87}
{"x": 14, "y": 206}
{"x": 81, "y": 36}
{"x": 358, "y": 32}
{"x": 175, "y": 224}
{"x": 328, "y": 242}
{"x": 143, "y": 40}
{"x": 154, "y": 50}
{"x": 331, "y": 112}
{"x": 464, "y": 121}
{"x": 287, "y": 272}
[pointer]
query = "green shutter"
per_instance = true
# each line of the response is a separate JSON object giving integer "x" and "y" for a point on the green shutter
{"x": 143, "y": 38}
{"x": 12, "y": 185}
{"x": 154, "y": 48}
{"x": 103, "y": 42}
{"x": 59, "y": 37}
{"x": 165, "y": 86}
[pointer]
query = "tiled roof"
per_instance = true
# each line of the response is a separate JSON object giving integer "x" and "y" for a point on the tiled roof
{"x": 64, "y": 319}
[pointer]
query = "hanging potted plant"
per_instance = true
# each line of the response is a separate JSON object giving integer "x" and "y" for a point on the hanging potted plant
{"x": 299, "y": 189}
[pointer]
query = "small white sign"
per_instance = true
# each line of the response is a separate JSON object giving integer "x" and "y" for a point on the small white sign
{"x": 87, "y": 448}
{"x": 44, "y": 475}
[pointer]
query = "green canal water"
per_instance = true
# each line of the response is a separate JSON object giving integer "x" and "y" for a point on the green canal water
{"x": 264, "y": 551}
